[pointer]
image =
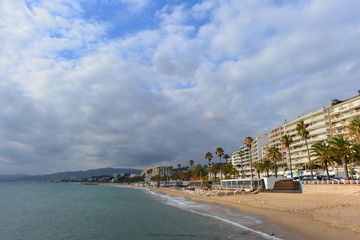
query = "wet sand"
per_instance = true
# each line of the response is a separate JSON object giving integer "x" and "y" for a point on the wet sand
{"x": 314, "y": 216}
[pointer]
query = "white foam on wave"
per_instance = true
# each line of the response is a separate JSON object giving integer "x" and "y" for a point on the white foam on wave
{"x": 194, "y": 207}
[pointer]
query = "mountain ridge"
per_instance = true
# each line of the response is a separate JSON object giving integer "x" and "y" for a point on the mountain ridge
{"x": 70, "y": 174}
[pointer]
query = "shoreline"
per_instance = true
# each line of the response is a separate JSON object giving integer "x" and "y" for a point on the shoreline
{"x": 313, "y": 216}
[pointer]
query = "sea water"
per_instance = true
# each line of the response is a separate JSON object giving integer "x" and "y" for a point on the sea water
{"x": 60, "y": 211}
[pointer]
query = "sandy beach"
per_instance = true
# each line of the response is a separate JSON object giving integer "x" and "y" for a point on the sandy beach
{"x": 314, "y": 216}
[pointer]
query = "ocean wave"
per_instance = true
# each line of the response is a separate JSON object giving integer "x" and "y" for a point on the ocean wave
{"x": 213, "y": 211}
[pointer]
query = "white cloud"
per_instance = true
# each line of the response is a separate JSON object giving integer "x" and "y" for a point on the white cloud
{"x": 205, "y": 76}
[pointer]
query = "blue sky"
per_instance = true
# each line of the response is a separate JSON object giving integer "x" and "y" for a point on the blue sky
{"x": 137, "y": 83}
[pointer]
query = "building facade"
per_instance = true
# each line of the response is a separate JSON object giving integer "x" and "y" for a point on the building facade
{"x": 241, "y": 158}
{"x": 275, "y": 141}
{"x": 341, "y": 114}
{"x": 156, "y": 171}
{"x": 318, "y": 126}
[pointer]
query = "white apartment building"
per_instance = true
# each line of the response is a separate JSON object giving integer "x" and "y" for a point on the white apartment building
{"x": 242, "y": 161}
{"x": 341, "y": 114}
{"x": 318, "y": 126}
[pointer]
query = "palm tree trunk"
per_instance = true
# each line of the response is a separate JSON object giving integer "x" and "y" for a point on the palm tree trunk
{"x": 220, "y": 170}
{"x": 351, "y": 171}
{"x": 291, "y": 172}
{"x": 251, "y": 163}
{"x": 345, "y": 168}
{"x": 310, "y": 165}
{"x": 327, "y": 170}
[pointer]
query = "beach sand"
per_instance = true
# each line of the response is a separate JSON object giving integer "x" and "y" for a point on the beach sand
{"x": 313, "y": 216}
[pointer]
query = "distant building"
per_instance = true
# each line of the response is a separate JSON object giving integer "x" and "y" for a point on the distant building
{"x": 156, "y": 171}
{"x": 241, "y": 158}
{"x": 135, "y": 175}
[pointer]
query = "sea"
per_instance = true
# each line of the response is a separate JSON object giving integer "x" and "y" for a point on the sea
{"x": 66, "y": 211}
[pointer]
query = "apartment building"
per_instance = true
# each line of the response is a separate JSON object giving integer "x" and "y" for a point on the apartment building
{"x": 257, "y": 147}
{"x": 241, "y": 158}
{"x": 318, "y": 126}
{"x": 322, "y": 124}
{"x": 275, "y": 141}
{"x": 341, "y": 113}
{"x": 156, "y": 171}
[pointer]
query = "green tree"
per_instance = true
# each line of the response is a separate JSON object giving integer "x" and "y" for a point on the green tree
{"x": 168, "y": 171}
{"x": 321, "y": 151}
{"x": 304, "y": 134}
{"x": 343, "y": 149}
{"x": 228, "y": 170}
{"x": 179, "y": 165}
{"x": 354, "y": 129}
{"x": 214, "y": 169}
{"x": 248, "y": 142}
{"x": 274, "y": 155}
{"x": 219, "y": 152}
{"x": 287, "y": 141}
{"x": 191, "y": 163}
{"x": 209, "y": 156}
{"x": 259, "y": 166}
{"x": 267, "y": 164}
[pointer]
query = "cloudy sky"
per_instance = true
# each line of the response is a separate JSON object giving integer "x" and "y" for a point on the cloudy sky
{"x": 135, "y": 83}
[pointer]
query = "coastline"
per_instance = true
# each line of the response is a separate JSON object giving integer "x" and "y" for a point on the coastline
{"x": 313, "y": 216}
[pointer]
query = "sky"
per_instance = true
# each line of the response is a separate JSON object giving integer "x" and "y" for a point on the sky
{"x": 88, "y": 84}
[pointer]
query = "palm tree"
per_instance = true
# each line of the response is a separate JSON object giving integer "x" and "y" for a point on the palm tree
{"x": 226, "y": 157}
{"x": 304, "y": 134}
{"x": 287, "y": 141}
{"x": 248, "y": 141}
{"x": 191, "y": 163}
{"x": 321, "y": 151}
{"x": 168, "y": 171}
{"x": 209, "y": 156}
{"x": 227, "y": 169}
{"x": 343, "y": 149}
{"x": 267, "y": 164}
{"x": 238, "y": 172}
{"x": 259, "y": 166}
{"x": 274, "y": 155}
{"x": 219, "y": 152}
{"x": 179, "y": 165}
{"x": 214, "y": 169}
{"x": 354, "y": 129}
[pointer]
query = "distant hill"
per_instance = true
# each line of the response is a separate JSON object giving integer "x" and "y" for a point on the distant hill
{"x": 71, "y": 174}
{"x": 14, "y": 176}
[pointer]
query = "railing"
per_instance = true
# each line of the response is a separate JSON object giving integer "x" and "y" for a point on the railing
{"x": 341, "y": 181}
